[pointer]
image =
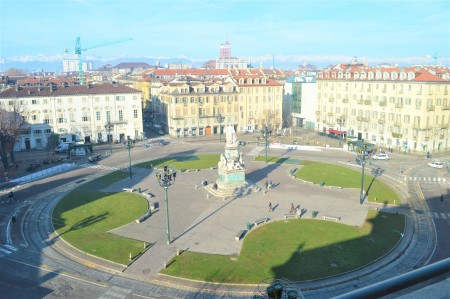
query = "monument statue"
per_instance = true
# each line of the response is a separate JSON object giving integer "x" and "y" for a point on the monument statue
{"x": 230, "y": 135}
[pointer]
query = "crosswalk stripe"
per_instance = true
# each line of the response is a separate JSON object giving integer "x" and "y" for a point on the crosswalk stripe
{"x": 5, "y": 251}
{"x": 443, "y": 215}
{"x": 436, "y": 215}
{"x": 10, "y": 247}
{"x": 448, "y": 215}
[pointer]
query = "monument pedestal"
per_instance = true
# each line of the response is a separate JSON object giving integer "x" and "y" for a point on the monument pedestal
{"x": 231, "y": 179}
{"x": 231, "y": 169}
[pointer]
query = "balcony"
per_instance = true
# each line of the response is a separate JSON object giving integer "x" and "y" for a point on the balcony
{"x": 317, "y": 112}
{"x": 345, "y": 101}
{"x": 446, "y": 107}
{"x": 426, "y": 138}
{"x": 400, "y": 92}
{"x": 397, "y": 135}
{"x": 331, "y": 100}
{"x": 360, "y": 102}
{"x": 360, "y": 118}
{"x": 419, "y": 92}
{"x": 430, "y": 108}
{"x": 382, "y": 103}
{"x": 398, "y": 105}
{"x": 367, "y": 102}
{"x": 381, "y": 120}
{"x": 330, "y": 113}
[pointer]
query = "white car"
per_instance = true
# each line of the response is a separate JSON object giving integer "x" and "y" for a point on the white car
{"x": 380, "y": 156}
{"x": 436, "y": 164}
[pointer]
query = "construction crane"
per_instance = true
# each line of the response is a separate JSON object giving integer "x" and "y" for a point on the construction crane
{"x": 79, "y": 49}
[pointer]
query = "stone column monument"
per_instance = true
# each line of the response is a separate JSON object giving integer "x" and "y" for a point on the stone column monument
{"x": 231, "y": 167}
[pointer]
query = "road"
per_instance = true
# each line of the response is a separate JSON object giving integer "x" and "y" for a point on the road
{"x": 33, "y": 267}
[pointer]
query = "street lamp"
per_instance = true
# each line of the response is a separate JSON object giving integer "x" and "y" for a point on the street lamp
{"x": 363, "y": 162}
{"x": 340, "y": 131}
{"x": 129, "y": 146}
{"x": 108, "y": 128}
{"x": 220, "y": 119}
{"x": 266, "y": 133}
{"x": 166, "y": 178}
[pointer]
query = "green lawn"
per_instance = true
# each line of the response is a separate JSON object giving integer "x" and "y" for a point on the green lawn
{"x": 185, "y": 162}
{"x": 334, "y": 175}
{"x": 297, "y": 250}
{"x": 84, "y": 217}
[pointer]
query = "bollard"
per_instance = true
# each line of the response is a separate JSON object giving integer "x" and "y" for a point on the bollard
{"x": 130, "y": 256}
{"x": 139, "y": 190}
{"x": 165, "y": 265}
{"x": 178, "y": 251}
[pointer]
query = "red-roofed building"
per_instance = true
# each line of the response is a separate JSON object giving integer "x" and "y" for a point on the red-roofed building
{"x": 405, "y": 109}
{"x": 76, "y": 112}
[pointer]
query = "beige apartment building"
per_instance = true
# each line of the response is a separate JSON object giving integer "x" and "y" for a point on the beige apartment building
{"x": 260, "y": 101}
{"x": 194, "y": 106}
{"x": 406, "y": 109}
{"x": 197, "y": 102}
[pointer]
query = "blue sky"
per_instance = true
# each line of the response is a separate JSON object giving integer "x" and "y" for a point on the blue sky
{"x": 395, "y": 31}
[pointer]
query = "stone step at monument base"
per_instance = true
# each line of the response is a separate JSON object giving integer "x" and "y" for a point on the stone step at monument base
{"x": 224, "y": 193}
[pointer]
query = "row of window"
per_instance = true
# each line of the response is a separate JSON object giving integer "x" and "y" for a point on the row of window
{"x": 382, "y": 86}
{"x": 61, "y": 101}
{"x": 84, "y": 117}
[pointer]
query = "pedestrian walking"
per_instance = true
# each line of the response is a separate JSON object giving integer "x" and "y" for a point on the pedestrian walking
{"x": 292, "y": 208}
{"x": 270, "y": 207}
{"x": 267, "y": 185}
{"x": 11, "y": 195}
{"x": 442, "y": 197}
{"x": 270, "y": 185}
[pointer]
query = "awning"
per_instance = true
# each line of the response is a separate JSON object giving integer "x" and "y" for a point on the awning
{"x": 337, "y": 132}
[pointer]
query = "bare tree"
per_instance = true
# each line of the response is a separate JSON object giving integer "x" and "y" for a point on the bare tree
{"x": 289, "y": 122}
{"x": 16, "y": 72}
{"x": 52, "y": 143}
{"x": 11, "y": 121}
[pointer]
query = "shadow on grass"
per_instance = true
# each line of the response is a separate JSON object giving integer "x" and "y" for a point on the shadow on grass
{"x": 340, "y": 257}
{"x": 86, "y": 222}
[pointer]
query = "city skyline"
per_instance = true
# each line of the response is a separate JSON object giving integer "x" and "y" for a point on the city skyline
{"x": 398, "y": 32}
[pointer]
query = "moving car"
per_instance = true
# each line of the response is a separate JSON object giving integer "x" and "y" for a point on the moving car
{"x": 436, "y": 164}
{"x": 381, "y": 156}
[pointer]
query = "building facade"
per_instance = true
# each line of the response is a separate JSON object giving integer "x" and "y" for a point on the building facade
{"x": 93, "y": 113}
{"x": 300, "y": 102}
{"x": 406, "y": 109}
{"x": 195, "y": 107}
{"x": 260, "y": 101}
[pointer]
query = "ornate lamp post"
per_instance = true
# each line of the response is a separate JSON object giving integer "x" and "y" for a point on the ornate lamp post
{"x": 220, "y": 119}
{"x": 266, "y": 133}
{"x": 129, "y": 146}
{"x": 108, "y": 128}
{"x": 166, "y": 178}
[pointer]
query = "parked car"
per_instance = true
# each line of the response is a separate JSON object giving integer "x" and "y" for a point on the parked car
{"x": 160, "y": 132}
{"x": 381, "y": 156}
{"x": 436, "y": 164}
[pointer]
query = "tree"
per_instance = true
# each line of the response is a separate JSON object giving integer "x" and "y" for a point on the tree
{"x": 11, "y": 124}
{"x": 52, "y": 142}
{"x": 16, "y": 72}
{"x": 289, "y": 122}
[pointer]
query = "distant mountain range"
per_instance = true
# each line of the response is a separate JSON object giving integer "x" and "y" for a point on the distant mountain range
{"x": 57, "y": 66}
